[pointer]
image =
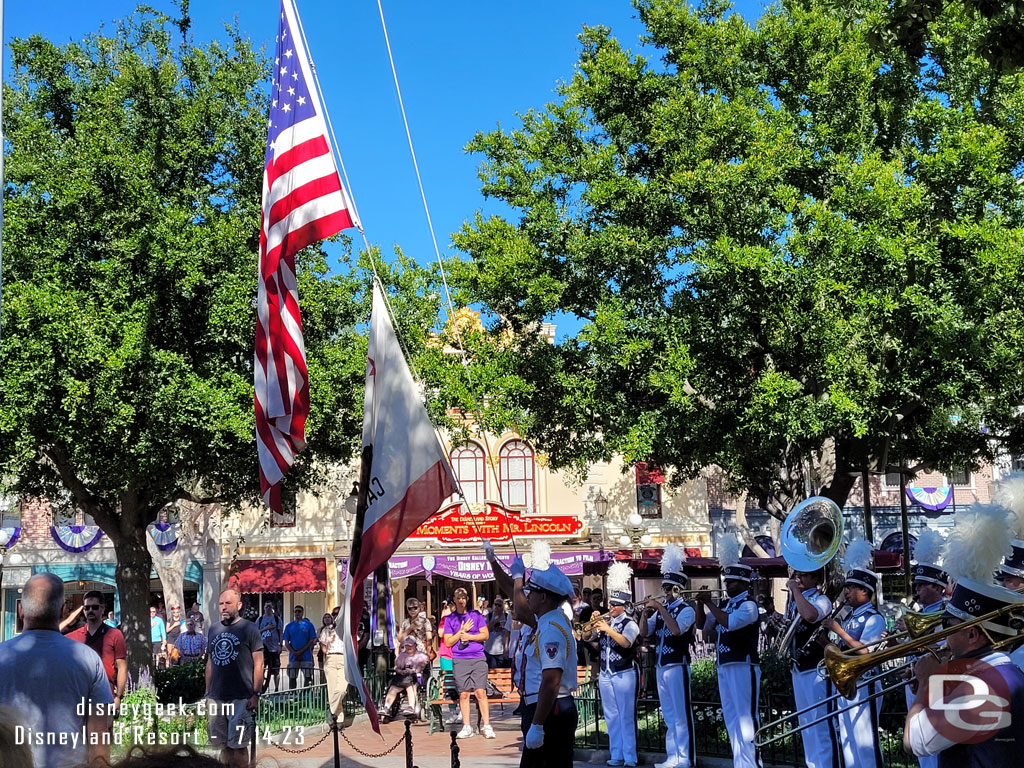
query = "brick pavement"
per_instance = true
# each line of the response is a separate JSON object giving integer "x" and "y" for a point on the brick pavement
{"x": 428, "y": 751}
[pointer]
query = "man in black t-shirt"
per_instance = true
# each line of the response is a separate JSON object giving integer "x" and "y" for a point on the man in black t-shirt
{"x": 234, "y": 677}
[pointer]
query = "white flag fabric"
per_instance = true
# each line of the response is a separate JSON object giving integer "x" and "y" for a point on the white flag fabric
{"x": 410, "y": 476}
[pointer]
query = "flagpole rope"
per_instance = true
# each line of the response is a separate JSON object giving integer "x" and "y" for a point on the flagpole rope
{"x": 373, "y": 262}
{"x": 444, "y": 277}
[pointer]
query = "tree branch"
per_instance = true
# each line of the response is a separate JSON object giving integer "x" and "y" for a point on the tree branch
{"x": 689, "y": 389}
{"x": 181, "y": 493}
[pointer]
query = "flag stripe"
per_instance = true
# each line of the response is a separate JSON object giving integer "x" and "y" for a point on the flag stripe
{"x": 303, "y": 202}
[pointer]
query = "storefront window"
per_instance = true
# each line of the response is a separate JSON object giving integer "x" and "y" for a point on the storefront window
{"x": 468, "y": 465}
{"x": 517, "y": 474}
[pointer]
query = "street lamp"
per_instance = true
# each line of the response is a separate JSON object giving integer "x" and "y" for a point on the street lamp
{"x": 351, "y": 504}
{"x": 635, "y": 535}
{"x": 601, "y": 506}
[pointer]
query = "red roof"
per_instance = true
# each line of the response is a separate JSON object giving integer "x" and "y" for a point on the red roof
{"x": 299, "y": 575}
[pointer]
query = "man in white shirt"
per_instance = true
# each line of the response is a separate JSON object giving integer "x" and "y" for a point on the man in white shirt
{"x": 739, "y": 667}
{"x": 809, "y": 606}
{"x": 860, "y": 631}
{"x": 935, "y": 730}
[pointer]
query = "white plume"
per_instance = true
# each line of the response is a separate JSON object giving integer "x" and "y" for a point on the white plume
{"x": 729, "y": 549}
{"x": 978, "y": 543}
{"x": 672, "y": 559}
{"x": 1009, "y": 493}
{"x": 929, "y": 548}
{"x": 858, "y": 555}
{"x": 619, "y": 577}
{"x": 540, "y": 555}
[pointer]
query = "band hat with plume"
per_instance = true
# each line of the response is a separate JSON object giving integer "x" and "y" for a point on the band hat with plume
{"x": 1009, "y": 494}
{"x": 673, "y": 560}
{"x": 928, "y": 554}
{"x": 975, "y": 548}
{"x": 729, "y": 549}
{"x": 620, "y": 578}
{"x": 857, "y": 561}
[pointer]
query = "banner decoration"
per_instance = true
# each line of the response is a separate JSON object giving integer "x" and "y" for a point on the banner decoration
{"x": 76, "y": 538}
{"x": 165, "y": 536}
{"x": 9, "y": 536}
{"x": 474, "y": 567}
{"x": 932, "y": 499}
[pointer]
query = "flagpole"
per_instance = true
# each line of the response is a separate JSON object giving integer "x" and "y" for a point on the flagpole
{"x": 1, "y": 164}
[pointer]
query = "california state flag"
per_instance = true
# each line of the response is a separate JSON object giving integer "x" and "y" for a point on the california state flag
{"x": 405, "y": 472}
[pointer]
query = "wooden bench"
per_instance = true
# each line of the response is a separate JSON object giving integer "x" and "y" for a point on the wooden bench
{"x": 442, "y": 691}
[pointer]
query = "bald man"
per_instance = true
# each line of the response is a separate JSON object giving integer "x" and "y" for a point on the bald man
{"x": 57, "y": 687}
{"x": 234, "y": 678}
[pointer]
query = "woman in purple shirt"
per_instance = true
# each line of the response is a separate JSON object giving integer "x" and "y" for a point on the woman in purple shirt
{"x": 465, "y": 633}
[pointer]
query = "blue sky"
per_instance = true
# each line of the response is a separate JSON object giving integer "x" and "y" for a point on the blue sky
{"x": 463, "y": 67}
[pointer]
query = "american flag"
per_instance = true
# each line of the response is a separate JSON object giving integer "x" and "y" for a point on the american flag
{"x": 303, "y": 201}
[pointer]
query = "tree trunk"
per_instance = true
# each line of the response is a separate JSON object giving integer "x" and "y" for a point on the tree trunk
{"x": 134, "y": 565}
{"x": 839, "y": 489}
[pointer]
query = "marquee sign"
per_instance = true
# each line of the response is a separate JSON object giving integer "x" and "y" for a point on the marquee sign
{"x": 458, "y": 524}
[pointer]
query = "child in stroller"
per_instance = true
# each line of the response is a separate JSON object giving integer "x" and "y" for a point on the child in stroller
{"x": 409, "y": 666}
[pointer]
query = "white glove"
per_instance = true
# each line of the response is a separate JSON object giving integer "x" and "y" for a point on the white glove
{"x": 489, "y": 551}
{"x": 535, "y": 736}
{"x": 518, "y": 569}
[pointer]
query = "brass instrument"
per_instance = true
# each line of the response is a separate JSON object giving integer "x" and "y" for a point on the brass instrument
{"x": 810, "y": 539}
{"x": 919, "y": 624}
{"x": 585, "y": 627}
{"x": 690, "y": 594}
{"x": 839, "y": 606}
{"x": 846, "y": 669}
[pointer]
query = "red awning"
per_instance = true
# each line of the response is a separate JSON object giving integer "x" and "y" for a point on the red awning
{"x": 300, "y": 575}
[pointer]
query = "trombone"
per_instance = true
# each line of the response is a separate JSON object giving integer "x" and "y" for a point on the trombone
{"x": 846, "y": 668}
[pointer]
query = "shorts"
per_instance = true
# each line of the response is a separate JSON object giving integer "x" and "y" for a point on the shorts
{"x": 232, "y": 725}
{"x": 446, "y": 663}
{"x": 470, "y": 674}
{"x": 295, "y": 666}
{"x": 272, "y": 660}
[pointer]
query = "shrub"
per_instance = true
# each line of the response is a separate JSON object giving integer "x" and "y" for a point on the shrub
{"x": 184, "y": 681}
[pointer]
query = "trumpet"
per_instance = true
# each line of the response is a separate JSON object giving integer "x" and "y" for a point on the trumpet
{"x": 689, "y": 594}
{"x": 585, "y": 627}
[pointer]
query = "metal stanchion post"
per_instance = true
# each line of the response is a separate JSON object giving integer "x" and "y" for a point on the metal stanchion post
{"x": 455, "y": 752}
{"x": 336, "y": 726}
{"x": 408, "y": 744}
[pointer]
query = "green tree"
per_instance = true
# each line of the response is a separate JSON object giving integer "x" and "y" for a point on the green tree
{"x": 792, "y": 251}
{"x": 134, "y": 175}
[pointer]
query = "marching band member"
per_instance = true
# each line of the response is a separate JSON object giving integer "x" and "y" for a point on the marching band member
{"x": 618, "y": 677}
{"x": 547, "y": 656}
{"x": 1009, "y": 494}
{"x": 930, "y": 583}
{"x": 858, "y": 726}
{"x": 973, "y": 551}
{"x": 550, "y": 718}
{"x": 672, "y": 623}
{"x": 739, "y": 668}
{"x": 812, "y": 606}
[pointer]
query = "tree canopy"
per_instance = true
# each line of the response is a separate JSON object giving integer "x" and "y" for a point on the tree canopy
{"x": 134, "y": 173}
{"x": 792, "y": 249}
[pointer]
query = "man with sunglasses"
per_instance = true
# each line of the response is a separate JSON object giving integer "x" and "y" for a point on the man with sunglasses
{"x": 107, "y": 641}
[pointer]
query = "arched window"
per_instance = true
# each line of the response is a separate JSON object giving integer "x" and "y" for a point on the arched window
{"x": 517, "y": 474}
{"x": 468, "y": 465}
